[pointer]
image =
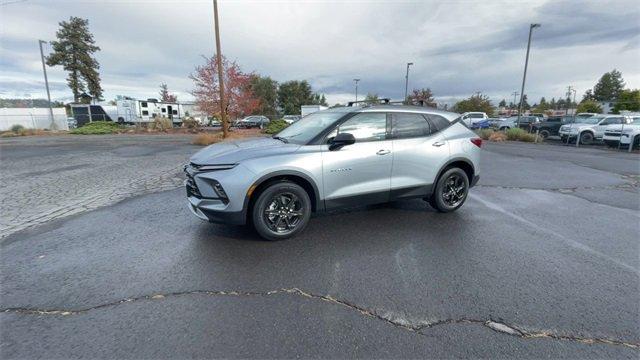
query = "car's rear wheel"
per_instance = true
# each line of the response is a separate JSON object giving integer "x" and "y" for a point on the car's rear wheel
{"x": 451, "y": 190}
{"x": 586, "y": 138}
{"x": 281, "y": 211}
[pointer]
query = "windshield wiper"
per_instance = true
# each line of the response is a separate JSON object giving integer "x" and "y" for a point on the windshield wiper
{"x": 281, "y": 139}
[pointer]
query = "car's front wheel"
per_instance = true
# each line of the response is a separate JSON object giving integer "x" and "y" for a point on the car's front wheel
{"x": 586, "y": 138}
{"x": 281, "y": 211}
{"x": 451, "y": 190}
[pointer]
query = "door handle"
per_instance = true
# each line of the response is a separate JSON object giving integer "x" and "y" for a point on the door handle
{"x": 383, "y": 152}
{"x": 438, "y": 143}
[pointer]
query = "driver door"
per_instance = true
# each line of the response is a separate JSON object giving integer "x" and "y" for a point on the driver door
{"x": 360, "y": 173}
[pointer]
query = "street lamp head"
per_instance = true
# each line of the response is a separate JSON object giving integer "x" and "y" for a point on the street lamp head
{"x": 409, "y": 63}
{"x": 533, "y": 26}
{"x": 356, "y": 80}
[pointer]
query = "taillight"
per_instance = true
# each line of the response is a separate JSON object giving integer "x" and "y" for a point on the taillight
{"x": 477, "y": 142}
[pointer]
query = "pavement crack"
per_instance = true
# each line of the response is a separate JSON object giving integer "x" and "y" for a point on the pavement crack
{"x": 414, "y": 326}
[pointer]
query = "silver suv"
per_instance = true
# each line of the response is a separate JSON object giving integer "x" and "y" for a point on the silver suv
{"x": 336, "y": 158}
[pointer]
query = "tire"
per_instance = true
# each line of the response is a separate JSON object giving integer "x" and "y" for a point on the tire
{"x": 442, "y": 198}
{"x": 544, "y": 134}
{"x": 273, "y": 216}
{"x": 586, "y": 138}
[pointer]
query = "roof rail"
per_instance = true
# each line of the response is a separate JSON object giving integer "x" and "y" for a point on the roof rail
{"x": 387, "y": 101}
{"x": 369, "y": 102}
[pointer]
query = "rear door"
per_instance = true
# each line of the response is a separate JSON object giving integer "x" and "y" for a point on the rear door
{"x": 419, "y": 150}
{"x": 360, "y": 173}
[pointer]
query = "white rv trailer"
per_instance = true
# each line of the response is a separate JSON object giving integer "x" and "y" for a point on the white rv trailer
{"x": 141, "y": 111}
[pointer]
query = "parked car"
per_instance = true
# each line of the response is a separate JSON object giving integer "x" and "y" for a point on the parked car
{"x": 612, "y": 133}
{"x": 586, "y": 115}
{"x": 254, "y": 121}
{"x": 495, "y": 122}
{"x": 526, "y": 122}
{"x": 551, "y": 125}
{"x": 335, "y": 158}
{"x": 630, "y": 136}
{"x": 541, "y": 116}
{"x": 482, "y": 124}
{"x": 469, "y": 118}
{"x": 589, "y": 129}
{"x": 290, "y": 119}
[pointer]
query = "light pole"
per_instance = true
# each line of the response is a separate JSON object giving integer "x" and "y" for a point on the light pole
{"x": 574, "y": 101}
{"x": 223, "y": 117}
{"x": 524, "y": 76}
{"x": 46, "y": 84}
{"x": 356, "y": 82}
{"x": 406, "y": 82}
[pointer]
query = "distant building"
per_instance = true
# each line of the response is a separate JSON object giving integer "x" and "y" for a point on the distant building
{"x": 607, "y": 106}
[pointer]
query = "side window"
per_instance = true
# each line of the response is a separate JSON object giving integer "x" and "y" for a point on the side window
{"x": 365, "y": 127}
{"x": 145, "y": 113}
{"x": 409, "y": 126}
{"x": 143, "y": 104}
{"x": 438, "y": 121}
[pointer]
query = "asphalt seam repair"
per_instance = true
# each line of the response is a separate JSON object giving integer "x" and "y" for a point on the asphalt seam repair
{"x": 416, "y": 327}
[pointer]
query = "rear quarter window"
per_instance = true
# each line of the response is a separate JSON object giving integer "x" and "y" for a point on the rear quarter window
{"x": 439, "y": 122}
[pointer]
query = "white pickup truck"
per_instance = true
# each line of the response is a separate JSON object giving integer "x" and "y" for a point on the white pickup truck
{"x": 472, "y": 117}
{"x": 591, "y": 128}
{"x": 622, "y": 133}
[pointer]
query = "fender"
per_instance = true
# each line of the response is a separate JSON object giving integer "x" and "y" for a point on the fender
{"x": 280, "y": 173}
{"x": 472, "y": 181}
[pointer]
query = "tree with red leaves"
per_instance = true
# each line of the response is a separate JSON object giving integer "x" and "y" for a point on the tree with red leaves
{"x": 422, "y": 96}
{"x": 239, "y": 98}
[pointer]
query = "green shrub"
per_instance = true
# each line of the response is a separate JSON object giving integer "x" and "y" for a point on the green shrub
{"x": 518, "y": 134}
{"x": 162, "y": 124}
{"x": 275, "y": 126}
{"x": 485, "y": 133}
{"x": 17, "y": 128}
{"x": 97, "y": 128}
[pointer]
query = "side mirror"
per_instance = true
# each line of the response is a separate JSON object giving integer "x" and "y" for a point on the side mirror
{"x": 341, "y": 140}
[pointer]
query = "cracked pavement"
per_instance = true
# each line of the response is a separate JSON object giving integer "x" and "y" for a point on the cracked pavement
{"x": 542, "y": 261}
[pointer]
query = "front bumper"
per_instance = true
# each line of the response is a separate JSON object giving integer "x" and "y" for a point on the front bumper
{"x": 210, "y": 210}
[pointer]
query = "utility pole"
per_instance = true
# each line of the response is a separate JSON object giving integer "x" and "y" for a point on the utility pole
{"x": 524, "y": 76}
{"x": 356, "y": 81}
{"x": 225, "y": 124}
{"x": 46, "y": 84}
{"x": 406, "y": 82}
{"x": 568, "y": 99}
{"x": 574, "y": 101}
{"x": 515, "y": 95}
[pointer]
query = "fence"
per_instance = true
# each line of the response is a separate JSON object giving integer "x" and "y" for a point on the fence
{"x": 33, "y": 118}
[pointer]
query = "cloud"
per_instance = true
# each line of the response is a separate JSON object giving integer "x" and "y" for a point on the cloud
{"x": 458, "y": 47}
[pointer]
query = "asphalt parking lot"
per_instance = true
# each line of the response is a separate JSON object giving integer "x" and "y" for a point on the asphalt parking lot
{"x": 541, "y": 262}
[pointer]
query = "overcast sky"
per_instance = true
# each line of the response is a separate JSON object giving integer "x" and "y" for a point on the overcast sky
{"x": 458, "y": 47}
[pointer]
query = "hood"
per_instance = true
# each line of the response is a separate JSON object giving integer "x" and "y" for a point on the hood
{"x": 232, "y": 152}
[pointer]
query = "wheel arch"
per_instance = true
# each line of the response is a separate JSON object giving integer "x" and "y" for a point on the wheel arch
{"x": 297, "y": 177}
{"x": 463, "y": 163}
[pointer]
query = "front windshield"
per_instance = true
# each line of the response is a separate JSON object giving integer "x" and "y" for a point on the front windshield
{"x": 636, "y": 121}
{"x": 305, "y": 129}
{"x": 592, "y": 120}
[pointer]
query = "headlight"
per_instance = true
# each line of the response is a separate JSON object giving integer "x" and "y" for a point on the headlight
{"x": 201, "y": 168}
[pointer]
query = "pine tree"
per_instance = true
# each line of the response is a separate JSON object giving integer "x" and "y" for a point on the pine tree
{"x": 165, "y": 95}
{"x": 609, "y": 86}
{"x": 503, "y": 103}
{"x": 74, "y": 51}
